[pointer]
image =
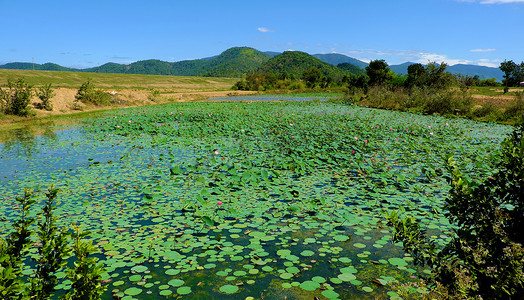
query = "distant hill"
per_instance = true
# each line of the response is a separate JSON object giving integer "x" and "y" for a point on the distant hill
{"x": 401, "y": 69}
{"x": 481, "y": 71}
{"x": 238, "y": 60}
{"x": 351, "y": 68}
{"x": 471, "y": 70}
{"x": 294, "y": 63}
{"x": 336, "y": 59}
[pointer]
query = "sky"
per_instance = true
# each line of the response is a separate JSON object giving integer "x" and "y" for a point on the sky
{"x": 84, "y": 34}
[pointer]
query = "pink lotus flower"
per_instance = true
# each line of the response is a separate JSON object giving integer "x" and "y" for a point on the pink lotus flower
{"x": 219, "y": 202}
{"x": 396, "y": 140}
{"x": 356, "y": 138}
{"x": 353, "y": 152}
{"x": 216, "y": 152}
{"x": 366, "y": 141}
{"x": 431, "y": 133}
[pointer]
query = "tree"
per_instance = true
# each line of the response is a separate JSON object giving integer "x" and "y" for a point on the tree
{"x": 16, "y": 98}
{"x": 416, "y": 75}
{"x": 508, "y": 67}
{"x": 485, "y": 257}
{"x": 312, "y": 76}
{"x": 378, "y": 72}
{"x": 437, "y": 77}
{"x": 45, "y": 94}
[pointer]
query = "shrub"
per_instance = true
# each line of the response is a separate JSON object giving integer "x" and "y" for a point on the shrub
{"x": 16, "y": 98}
{"x": 45, "y": 94}
{"x": 516, "y": 109}
{"x": 51, "y": 252}
{"x": 485, "y": 257}
{"x": 88, "y": 94}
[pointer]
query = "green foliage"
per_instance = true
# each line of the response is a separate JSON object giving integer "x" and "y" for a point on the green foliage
{"x": 52, "y": 249}
{"x": 88, "y": 94}
{"x": 312, "y": 77}
{"x": 351, "y": 68}
{"x": 14, "y": 248}
{"x": 513, "y": 73}
{"x": 294, "y": 63}
{"x": 378, "y": 72}
{"x": 485, "y": 257}
{"x": 432, "y": 76}
{"x": 16, "y": 98}
{"x": 86, "y": 277}
{"x": 45, "y": 94}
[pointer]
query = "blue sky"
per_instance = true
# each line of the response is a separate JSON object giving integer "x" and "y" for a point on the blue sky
{"x": 90, "y": 33}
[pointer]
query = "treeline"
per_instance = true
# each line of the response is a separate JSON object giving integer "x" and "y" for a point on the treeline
{"x": 294, "y": 70}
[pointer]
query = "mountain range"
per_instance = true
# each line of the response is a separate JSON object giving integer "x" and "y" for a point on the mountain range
{"x": 236, "y": 61}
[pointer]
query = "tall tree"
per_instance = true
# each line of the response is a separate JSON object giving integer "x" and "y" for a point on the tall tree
{"x": 378, "y": 72}
{"x": 508, "y": 67}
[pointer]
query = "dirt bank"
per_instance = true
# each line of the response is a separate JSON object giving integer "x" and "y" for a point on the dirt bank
{"x": 63, "y": 101}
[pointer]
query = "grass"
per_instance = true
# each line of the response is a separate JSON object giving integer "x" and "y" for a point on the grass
{"x": 119, "y": 81}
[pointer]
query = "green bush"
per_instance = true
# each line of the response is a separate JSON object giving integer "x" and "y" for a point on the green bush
{"x": 516, "y": 109}
{"x": 45, "y": 94}
{"x": 16, "y": 99}
{"x": 88, "y": 94}
{"x": 485, "y": 257}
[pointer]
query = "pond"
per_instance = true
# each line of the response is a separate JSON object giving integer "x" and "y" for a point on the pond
{"x": 232, "y": 200}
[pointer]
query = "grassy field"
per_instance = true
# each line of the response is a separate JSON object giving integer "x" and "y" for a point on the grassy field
{"x": 119, "y": 81}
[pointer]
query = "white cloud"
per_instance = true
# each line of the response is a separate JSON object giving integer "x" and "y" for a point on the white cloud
{"x": 264, "y": 29}
{"x": 482, "y": 50}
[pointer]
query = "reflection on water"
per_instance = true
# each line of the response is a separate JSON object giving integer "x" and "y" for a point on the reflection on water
{"x": 23, "y": 141}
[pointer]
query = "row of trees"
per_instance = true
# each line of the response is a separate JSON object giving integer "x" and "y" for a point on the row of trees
{"x": 377, "y": 73}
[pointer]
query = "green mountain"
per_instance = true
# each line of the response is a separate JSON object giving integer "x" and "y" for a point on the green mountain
{"x": 234, "y": 62}
{"x": 294, "y": 63}
{"x": 39, "y": 67}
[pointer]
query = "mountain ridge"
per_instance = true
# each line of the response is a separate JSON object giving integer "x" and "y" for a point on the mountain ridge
{"x": 233, "y": 62}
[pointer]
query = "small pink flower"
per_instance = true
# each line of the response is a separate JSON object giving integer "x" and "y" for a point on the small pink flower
{"x": 447, "y": 124}
{"x": 290, "y": 124}
{"x": 356, "y": 138}
{"x": 353, "y": 152}
{"x": 431, "y": 133}
{"x": 413, "y": 132}
{"x": 223, "y": 157}
{"x": 293, "y": 136}
{"x": 429, "y": 126}
{"x": 216, "y": 152}
{"x": 366, "y": 141}
{"x": 271, "y": 130}
{"x": 396, "y": 140}
{"x": 219, "y": 202}
{"x": 130, "y": 121}
{"x": 252, "y": 125}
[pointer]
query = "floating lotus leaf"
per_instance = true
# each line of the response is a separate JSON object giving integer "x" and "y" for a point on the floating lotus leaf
{"x": 229, "y": 289}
